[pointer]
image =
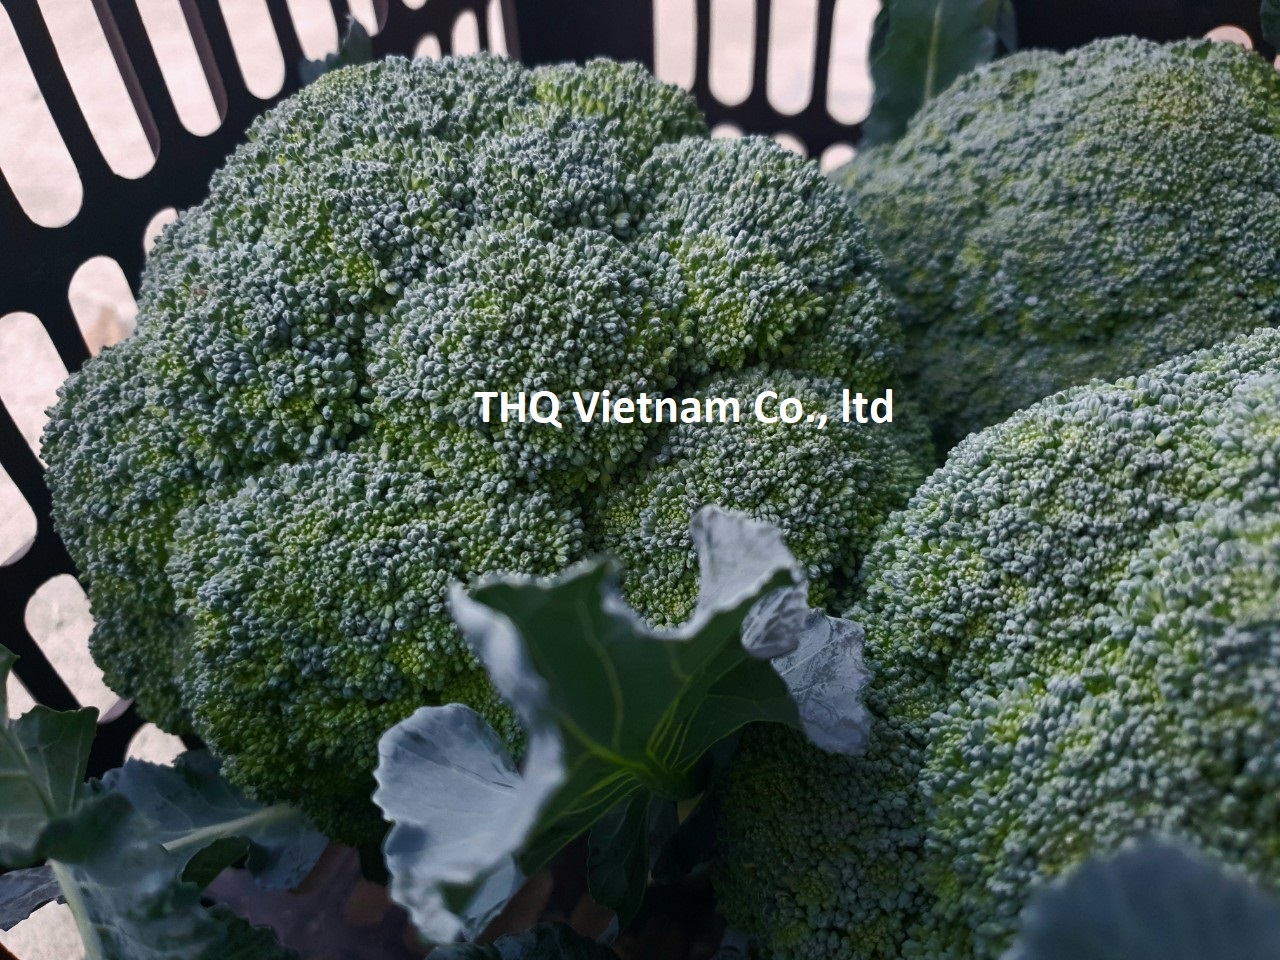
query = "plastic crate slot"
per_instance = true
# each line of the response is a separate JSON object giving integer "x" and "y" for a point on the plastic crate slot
{"x": 377, "y": 12}
{"x": 152, "y": 743}
{"x": 18, "y": 697}
{"x": 428, "y": 47}
{"x": 91, "y": 55}
{"x": 186, "y": 77}
{"x": 17, "y": 521}
{"x": 791, "y": 142}
{"x": 34, "y": 159}
{"x": 257, "y": 49}
{"x": 497, "y": 28}
{"x": 848, "y": 93}
{"x": 58, "y": 619}
{"x": 316, "y": 26}
{"x": 366, "y": 11}
{"x": 465, "y": 38}
{"x": 1230, "y": 33}
{"x": 156, "y": 225}
{"x": 733, "y": 25}
{"x": 102, "y": 302}
{"x": 793, "y": 44}
{"x": 726, "y": 131}
{"x": 30, "y": 372}
{"x": 836, "y": 155}
{"x": 675, "y": 29}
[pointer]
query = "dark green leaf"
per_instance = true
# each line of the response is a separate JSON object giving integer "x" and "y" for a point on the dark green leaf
{"x": 124, "y": 891}
{"x": 636, "y": 707}
{"x": 621, "y": 850}
{"x": 1151, "y": 901}
{"x": 23, "y": 892}
{"x": 825, "y": 674}
{"x": 117, "y": 850}
{"x": 43, "y": 756}
{"x": 546, "y": 941}
{"x": 192, "y": 810}
{"x": 453, "y": 859}
{"x": 614, "y": 710}
{"x": 241, "y": 940}
{"x": 1271, "y": 22}
{"x": 919, "y": 48}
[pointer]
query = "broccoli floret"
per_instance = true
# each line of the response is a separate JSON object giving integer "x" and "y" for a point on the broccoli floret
{"x": 120, "y": 450}
{"x": 268, "y": 487}
{"x": 363, "y": 638}
{"x": 826, "y": 487}
{"x": 1052, "y": 218}
{"x": 1074, "y": 633}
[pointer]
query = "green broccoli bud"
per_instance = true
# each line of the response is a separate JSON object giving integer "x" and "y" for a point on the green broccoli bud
{"x": 826, "y": 485}
{"x": 752, "y": 229}
{"x": 269, "y": 486}
{"x": 1052, "y": 218}
{"x": 1072, "y": 631}
{"x": 345, "y": 561}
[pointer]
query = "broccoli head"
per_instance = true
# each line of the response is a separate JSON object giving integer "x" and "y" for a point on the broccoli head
{"x": 1074, "y": 634}
{"x": 1052, "y": 218}
{"x": 269, "y": 486}
{"x": 826, "y": 487}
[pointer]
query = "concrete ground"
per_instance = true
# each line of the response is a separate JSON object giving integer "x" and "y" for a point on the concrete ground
{"x": 37, "y": 167}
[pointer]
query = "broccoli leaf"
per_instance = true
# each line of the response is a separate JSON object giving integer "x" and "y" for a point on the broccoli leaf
{"x": 126, "y": 857}
{"x": 614, "y": 711}
{"x": 453, "y": 862}
{"x": 1151, "y": 901}
{"x": 23, "y": 892}
{"x": 919, "y": 47}
{"x": 546, "y": 941}
{"x": 622, "y": 848}
{"x": 118, "y": 850}
{"x": 43, "y": 757}
{"x": 194, "y": 812}
{"x": 124, "y": 891}
{"x": 825, "y": 674}
{"x": 1271, "y": 22}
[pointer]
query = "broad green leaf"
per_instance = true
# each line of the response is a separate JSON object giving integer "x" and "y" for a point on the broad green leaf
{"x": 461, "y": 813}
{"x": 825, "y": 674}
{"x": 919, "y": 48}
{"x": 1271, "y": 22}
{"x": 23, "y": 892}
{"x": 241, "y": 940}
{"x": 621, "y": 849}
{"x": 117, "y": 850}
{"x": 43, "y": 756}
{"x": 546, "y": 941}
{"x": 201, "y": 818}
{"x": 614, "y": 711}
{"x": 1151, "y": 901}
{"x": 635, "y": 707}
{"x": 124, "y": 891}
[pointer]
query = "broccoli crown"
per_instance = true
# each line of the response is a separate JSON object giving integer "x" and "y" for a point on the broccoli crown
{"x": 1053, "y": 218}
{"x": 268, "y": 487}
{"x": 1074, "y": 628}
{"x": 826, "y": 487}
